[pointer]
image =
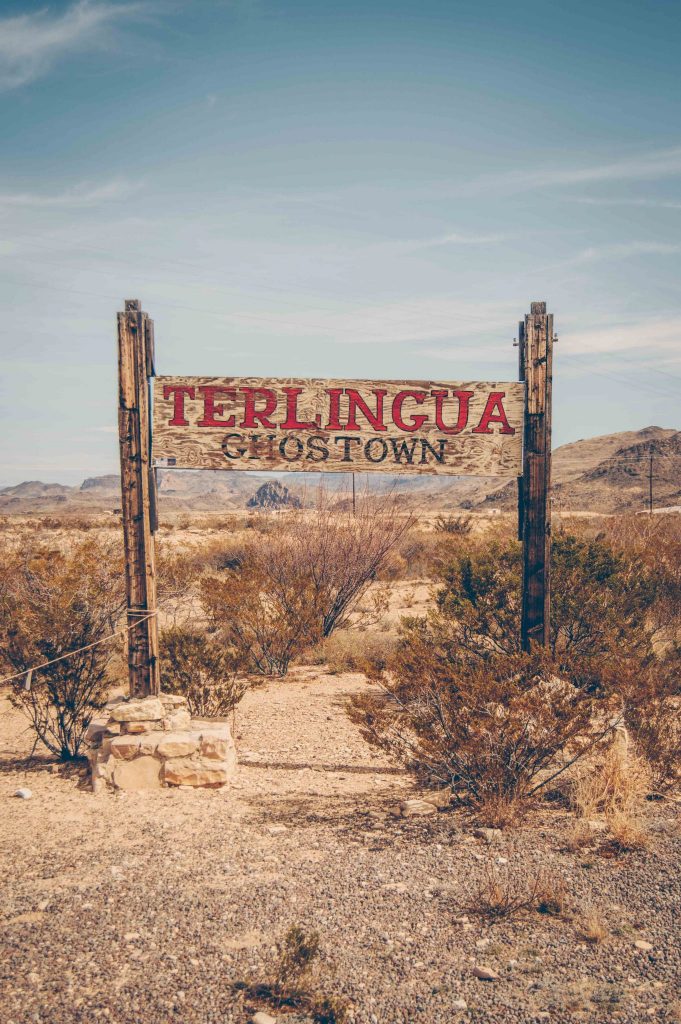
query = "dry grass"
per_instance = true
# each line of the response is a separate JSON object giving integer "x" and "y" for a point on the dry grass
{"x": 507, "y": 891}
{"x": 614, "y": 786}
{"x": 591, "y": 927}
{"x": 501, "y": 811}
{"x": 293, "y": 985}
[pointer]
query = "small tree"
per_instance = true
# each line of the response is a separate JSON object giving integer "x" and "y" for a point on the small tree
{"x": 599, "y": 600}
{"x": 52, "y": 603}
{"x": 294, "y": 587}
{"x": 196, "y": 665}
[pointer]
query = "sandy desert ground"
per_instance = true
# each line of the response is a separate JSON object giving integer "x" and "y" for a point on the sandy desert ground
{"x": 148, "y": 907}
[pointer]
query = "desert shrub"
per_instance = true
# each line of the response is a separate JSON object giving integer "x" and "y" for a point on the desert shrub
{"x": 293, "y": 983}
{"x": 510, "y": 890}
{"x": 600, "y": 599}
{"x": 460, "y": 526}
{"x": 296, "y": 586}
{"x": 196, "y": 665}
{"x": 497, "y": 729}
{"x": 53, "y": 602}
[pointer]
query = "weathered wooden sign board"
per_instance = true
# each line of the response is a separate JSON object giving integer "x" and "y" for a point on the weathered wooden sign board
{"x": 253, "y": 423}
{"x": 342, "y": 426}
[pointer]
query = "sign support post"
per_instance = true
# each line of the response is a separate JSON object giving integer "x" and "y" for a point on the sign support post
{"x": 536, "y": 368}
{"x": 135, "y": 368}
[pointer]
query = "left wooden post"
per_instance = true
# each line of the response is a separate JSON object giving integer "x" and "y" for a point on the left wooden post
{"x": 135, "y": 368}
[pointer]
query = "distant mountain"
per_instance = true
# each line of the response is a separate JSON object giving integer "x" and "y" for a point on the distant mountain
{"x": 602, "y": 474}
{"x": 610, "y": 473}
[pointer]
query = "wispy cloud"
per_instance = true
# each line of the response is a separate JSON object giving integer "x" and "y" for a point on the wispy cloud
{"x": 665, "y": 163}
{"x": 84, "y": 194}
{"x": 30, "y": 44}
{"x": 655, "y": 204}
{"x": 454, "y": 238}
{"x": 646, "y": 335}
{"x": 626, "y": 250}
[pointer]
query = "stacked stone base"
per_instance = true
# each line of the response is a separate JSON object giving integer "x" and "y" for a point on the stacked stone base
{"x": 152, "y": 742}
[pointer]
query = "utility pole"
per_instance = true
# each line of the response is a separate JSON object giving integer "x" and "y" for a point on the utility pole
{"x": 135, "y": 368}
{"x": 536, "y": 368}
{"x": 650, "y": 480}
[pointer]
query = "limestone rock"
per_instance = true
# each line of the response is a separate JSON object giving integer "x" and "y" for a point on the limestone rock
{"x": 195, "y": 771}
{"x": 144, "y": 709}
{"x": 412, "y": 808}
{"x": 136, "y": 728}
{"x": 485, "y": 973}
{"x": 263, "y": 1018}
{"x": 174, "y": 744}
{"x": 216, "y": 746}
{"x": 125, "y": 748}
{"x": 23, "y": 794}
{"x": 142, "y": 773}
{"x": 174, "y": 721}
{"x": 459, "y": 1004}
{"x": 172, "y": 700}
{"x": 644, "y": 946}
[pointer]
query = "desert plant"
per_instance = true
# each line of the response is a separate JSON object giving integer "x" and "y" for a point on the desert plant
{"x": 592, "y": 927}
{"x": 500, "y": 729}
{"x": 294, "y": 587}
{"x": 511, "y": 890}
{"x": 52, "y": 603}
{"x": 461, "y": 526}
{"x": 601, "y": 598}
{"x": 196, "y": 665}
{"x": 292, "y": 982}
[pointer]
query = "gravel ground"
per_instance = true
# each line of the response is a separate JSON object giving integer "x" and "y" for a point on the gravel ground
{"x": 146, "y": 908}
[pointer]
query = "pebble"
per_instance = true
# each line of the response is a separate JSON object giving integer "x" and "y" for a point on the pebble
{"x": 643, "y": 945}
{"x": 263, "y": 1018}
{"x": 23, "y": 794}
{"x": 485, "y": 973}
{"x": 411, "y": 808}
{"x": 459, "y": 1004}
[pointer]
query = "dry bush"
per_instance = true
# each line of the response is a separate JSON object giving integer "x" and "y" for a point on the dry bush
{"x": 53, "y": 602}
{"x": 292, "y": 983}
{"x": 460, "y": 526}
{"x": 499, "y": 811}
{"x": 298, "y": 585}
{"x": 496, "y": 730}
{"x": 196, "y": 665}
{"x": 653, "y": 716}
{"x": 511, "y": 890}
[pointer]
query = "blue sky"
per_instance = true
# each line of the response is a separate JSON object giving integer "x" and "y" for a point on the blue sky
{"x": 318, "y": 189}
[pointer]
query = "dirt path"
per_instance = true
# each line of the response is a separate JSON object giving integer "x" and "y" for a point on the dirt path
{"x": 146, "y": 908}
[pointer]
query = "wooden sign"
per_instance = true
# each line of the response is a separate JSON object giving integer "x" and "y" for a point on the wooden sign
{"x": 342, "y": 426}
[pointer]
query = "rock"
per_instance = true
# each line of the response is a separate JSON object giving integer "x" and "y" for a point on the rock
{"x": 143, "y": 709}
{"x": 273, "y": 494}
{"x": 23, "y": 794}
{"x": 136, "y": 728}
{"x": 142, "y": 773}
{"x": 485, "y": 973}
{"x": 263, "y": 1018}
{"x": 172, "y": 700}
{"x": 95, "y": 731}
{"x": 195, "y": 772}
{"x": 175, "y": 721}
{"x": 125, "y": 748}
{"x": 412, "y": 808}
{"x": 643, "y": 945}
{"x": 488, "y": 834}
{"x": 459, "y": 1004}
{"x": 482, "y": 944}
{"x": 174, "y": 744}
{"x": 461, "y": 920}
{"x": 215, "y": 746}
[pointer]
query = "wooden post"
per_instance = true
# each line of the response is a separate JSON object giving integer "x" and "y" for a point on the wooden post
{"x": 536, "y": 345}
{"x": 135, "y": 367}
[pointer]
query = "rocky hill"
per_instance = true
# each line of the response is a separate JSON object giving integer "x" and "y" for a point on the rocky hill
{"x": 601, "y": 474}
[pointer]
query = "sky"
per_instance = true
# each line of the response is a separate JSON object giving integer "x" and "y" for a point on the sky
{"x": 364, "y": 189}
